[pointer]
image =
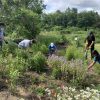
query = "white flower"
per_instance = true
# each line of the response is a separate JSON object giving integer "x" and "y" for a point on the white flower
{"x": 73, "y": 89}
{"x": 94, "y": 91}
{"x": 95, "y": 98}
{"x": 77, "y": 97}
{"x": 76, "y": 39}
{"x": 88, "y": 89}
{"x": 81, "y": 90}
{"x": 69, "y": 98}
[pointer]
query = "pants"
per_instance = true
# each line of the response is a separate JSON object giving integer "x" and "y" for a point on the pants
{"x": 51, "y": 52}
{"x": 1, "y": 42}
{"x": 91, "y": 50}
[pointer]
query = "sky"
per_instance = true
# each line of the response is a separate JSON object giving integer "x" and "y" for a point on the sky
{"x": 81, "y": 5}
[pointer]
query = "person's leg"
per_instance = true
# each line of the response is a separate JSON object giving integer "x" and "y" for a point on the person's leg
{"x": 0, "y": 45}
{"x": 91, "y": 52}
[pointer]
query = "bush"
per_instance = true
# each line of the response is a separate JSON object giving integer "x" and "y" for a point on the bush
{"x": 38, "y": 62}
{"x": 65, "y": 32}
{"x": 40, "y": 91}
{"x": 44, "y": 49}
{"x": 9, "y": 48}
{"x": 73, "y": 53}
{"x": 55, "y": 63}
{"x": 97, "y": 68}
{"x": 56, "y": 72}
{"x": 22, "y": 53}
{"x": 57, "y": 28}
{"x": 70, "y": 52}
{"x": 73, "y": 71}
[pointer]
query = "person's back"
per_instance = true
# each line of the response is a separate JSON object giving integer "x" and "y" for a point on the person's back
{"x": 90, "y": 39}
{"x": 97, "y": 58}
{"x": 24, "y": 43}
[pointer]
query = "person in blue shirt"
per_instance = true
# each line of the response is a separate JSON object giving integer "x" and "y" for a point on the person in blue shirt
{"x": 96, "y": 58}
{"x": 52, "y": 48}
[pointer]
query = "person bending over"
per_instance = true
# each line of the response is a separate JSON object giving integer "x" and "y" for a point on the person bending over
{"x": 96, "y": 58}
{"x": 52, "y": 48}
{"x": 25, "y": 43}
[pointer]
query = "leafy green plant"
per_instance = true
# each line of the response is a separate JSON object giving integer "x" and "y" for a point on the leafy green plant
{"x": 13, "y": 75}
{"x": 56, "y": 72}
{"x": 44, "y": 49}
{"x": 40, "y": 91}
{"x": 73, "y": 53}
{"x": 38, "y": 62}
{"x": 70, "y": 52}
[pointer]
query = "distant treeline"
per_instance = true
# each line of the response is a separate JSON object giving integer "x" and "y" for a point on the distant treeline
{"x": 71, "y": 17}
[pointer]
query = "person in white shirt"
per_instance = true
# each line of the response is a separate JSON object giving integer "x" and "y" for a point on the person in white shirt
{"x": 25, "y": 43}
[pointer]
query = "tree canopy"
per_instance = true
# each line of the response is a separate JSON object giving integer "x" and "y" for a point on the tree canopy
{"x": 71, "y": 17}
{"x": 21, "y": 16}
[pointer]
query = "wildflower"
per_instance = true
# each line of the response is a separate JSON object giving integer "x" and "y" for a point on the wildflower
{"x": 69, "y": 98}
{"x": 88, "y": 89}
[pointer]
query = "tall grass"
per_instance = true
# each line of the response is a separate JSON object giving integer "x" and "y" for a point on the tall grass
{"x": 73, "y": 53}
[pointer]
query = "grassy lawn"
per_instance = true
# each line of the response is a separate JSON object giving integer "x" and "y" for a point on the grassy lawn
{"x": 97, "y": 47}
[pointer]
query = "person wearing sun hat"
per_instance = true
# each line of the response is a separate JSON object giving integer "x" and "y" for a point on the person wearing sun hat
{"x": 52, "y": 48}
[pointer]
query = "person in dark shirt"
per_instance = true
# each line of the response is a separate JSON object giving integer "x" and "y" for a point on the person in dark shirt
{"x": 96, "y": 59}
{"x": 52, "y": 48}
{"x": 90, "y": 43}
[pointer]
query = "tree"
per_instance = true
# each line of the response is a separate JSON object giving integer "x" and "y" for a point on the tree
{"x": 22, "y": 16}
{"x": 87, "y": 19}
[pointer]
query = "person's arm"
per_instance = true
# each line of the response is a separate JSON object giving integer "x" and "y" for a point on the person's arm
{"x": 91, "y": 65}
{"x": 93, "y": 41}
{"x": 91, "y": 44}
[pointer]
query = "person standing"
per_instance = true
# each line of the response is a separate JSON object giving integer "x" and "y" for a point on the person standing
{"x": 90, "y": 43}
{"x": 1, "y": 34}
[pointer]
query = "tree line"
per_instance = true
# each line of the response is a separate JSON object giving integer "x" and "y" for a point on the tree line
{"x": 26, "y": 17}
{"x": 71, "y": 17}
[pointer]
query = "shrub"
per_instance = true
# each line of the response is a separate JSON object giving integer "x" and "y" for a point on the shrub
{"x": 65, "y": 32}
{"x": 56, "y": 72}
{"x": 70, "y": 52}
{"x": 73, "y": 53}
{"x": 57, "y": 28}
{"x": 13, "y": 75}
{"x": 9, "y": 48}
{"x": 38, "y": 62}
{"x": 55, "y": 63}
{"x": 22, "y": 53}
{"x": 44, "y": 49}
{"x": 40, "y": 91}
{"x": 97, "y": 68}
{"x": 73, "y": 71}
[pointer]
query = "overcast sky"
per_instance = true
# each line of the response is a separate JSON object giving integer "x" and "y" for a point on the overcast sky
{"x": 53, "y": 5}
